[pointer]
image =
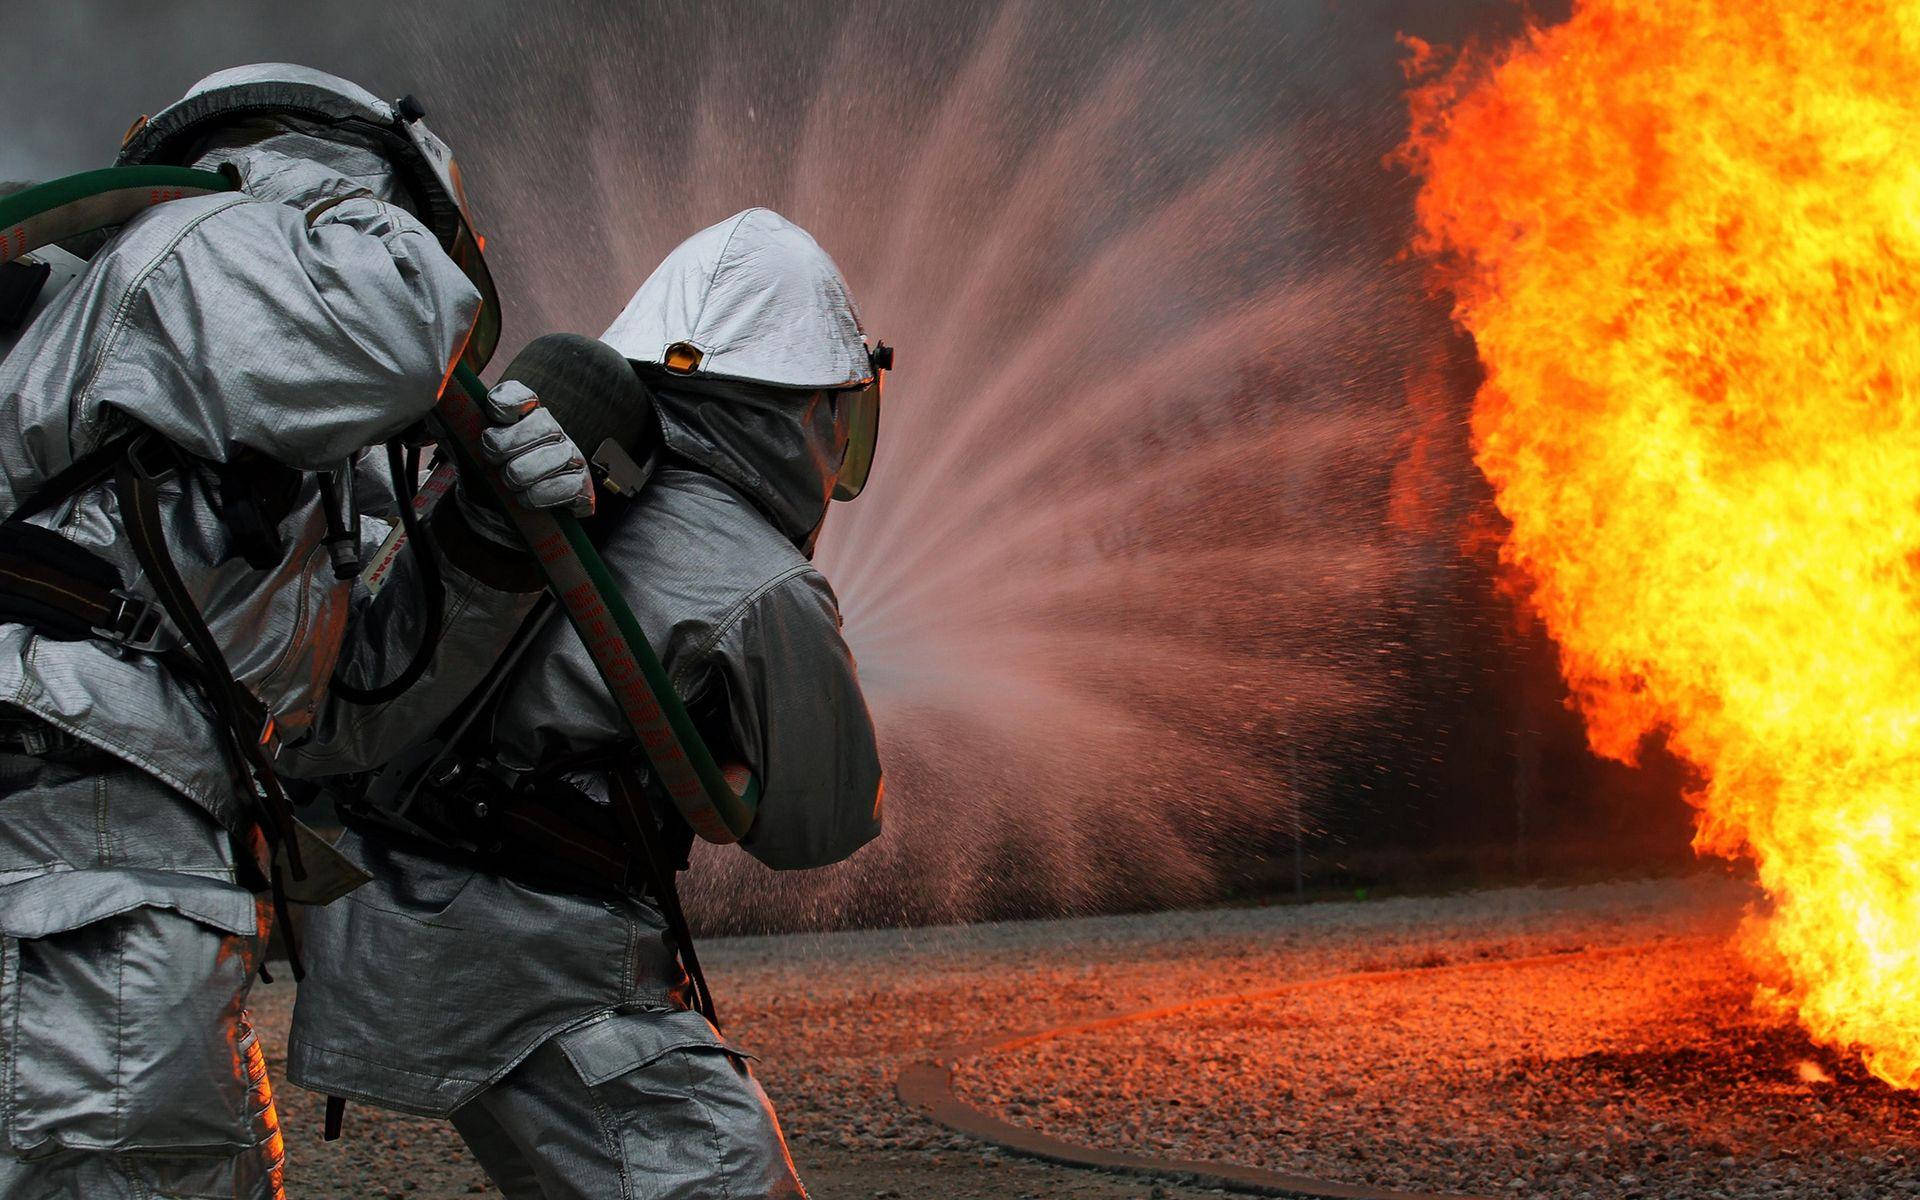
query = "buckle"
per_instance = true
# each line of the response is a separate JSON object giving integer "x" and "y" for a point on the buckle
{"x": 32, "y": 738}
{"x": 136, "y": 623}
{"x": 137, "y": 451}
{"x": 614, "y": 469}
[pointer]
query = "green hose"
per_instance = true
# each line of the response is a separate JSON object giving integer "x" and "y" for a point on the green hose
{"x": 578, "y": 576}
{"x": 64, "y": 208}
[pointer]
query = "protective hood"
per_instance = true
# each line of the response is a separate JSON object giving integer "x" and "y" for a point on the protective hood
{"x": 757, "y": 299}
{"x": 323, "y": 108}
{"x": 780, "y": 446}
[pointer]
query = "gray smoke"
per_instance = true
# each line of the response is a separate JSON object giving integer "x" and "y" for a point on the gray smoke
{"x": 1172, "y": 458}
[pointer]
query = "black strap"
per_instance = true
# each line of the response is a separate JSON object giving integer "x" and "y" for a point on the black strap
{"x": 26, "y": 544}
{"x": 90, "y": 468}
{"x": 336, "y": 1111}
{"x": 247, "y": 728}
{"x": 476, "y": 711}
{"x": 67, "y": 593}
{"x": 137, "y": 484}
{"x": 58, "y": 588}
{"x": 636, "y": 820}
{"x": 573, "y": 852}
{"x": 20, "y": 283}
{"x": 480, "y": 556}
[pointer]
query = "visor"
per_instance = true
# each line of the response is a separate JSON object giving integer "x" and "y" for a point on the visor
{"x": 465, "y": 246}
{"x": 858, "y": 412}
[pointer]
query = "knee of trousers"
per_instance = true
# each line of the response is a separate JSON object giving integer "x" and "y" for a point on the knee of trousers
{"x": 663, "y": 1105}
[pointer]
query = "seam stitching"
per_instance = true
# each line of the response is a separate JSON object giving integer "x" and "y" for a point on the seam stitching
{"x": 719, "y": 264}
{"x": 137, "y": 286}
{"x": 738, "y": 612}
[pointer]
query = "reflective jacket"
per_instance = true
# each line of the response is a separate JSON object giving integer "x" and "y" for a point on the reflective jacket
{"x": 435, "y": 979}
{"x": 300, "y": 318}
{"x": 475, "y": 971}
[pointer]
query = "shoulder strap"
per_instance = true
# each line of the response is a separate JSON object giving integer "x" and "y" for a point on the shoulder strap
{"x": 77, "y": 476}
{"x": 632, "y": 810}
{"x": 390, "y": 789}
{"x": 474, "y": 718}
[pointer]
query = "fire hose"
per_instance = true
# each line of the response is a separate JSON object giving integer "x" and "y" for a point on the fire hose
{"x": 719, "y": 804}
{"x": 720, "y": 809}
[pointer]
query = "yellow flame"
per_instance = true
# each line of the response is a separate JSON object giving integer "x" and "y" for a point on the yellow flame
{"x": 1686, "y": 238}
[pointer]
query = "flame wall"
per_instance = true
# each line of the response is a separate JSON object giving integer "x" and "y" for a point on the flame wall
{"x": 1686, "y": 238}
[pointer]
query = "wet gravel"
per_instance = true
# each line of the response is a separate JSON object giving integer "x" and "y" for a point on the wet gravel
{"x": 833, "y": 1017}
{"x": 1645, "y": 1074}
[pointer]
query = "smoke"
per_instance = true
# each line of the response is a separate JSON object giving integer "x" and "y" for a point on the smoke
{"x": 1171, "y": 465}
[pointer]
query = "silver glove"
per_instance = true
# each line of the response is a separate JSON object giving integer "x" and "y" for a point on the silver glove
{"x": 539, "y": 466}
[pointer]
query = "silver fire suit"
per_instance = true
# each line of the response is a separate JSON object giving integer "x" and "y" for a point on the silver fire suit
{"x": 302, "y": 318}
{"x": 552, "y": 1028}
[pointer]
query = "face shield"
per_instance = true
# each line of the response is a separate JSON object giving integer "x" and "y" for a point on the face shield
{"x": 857, "y": 412}
{"x": 465, "y": 247}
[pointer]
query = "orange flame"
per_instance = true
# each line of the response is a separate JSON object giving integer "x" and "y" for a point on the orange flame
{"x": 1686, "y": 238}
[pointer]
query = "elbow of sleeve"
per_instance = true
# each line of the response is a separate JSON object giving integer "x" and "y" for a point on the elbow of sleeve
{"x": 789, "y": 841}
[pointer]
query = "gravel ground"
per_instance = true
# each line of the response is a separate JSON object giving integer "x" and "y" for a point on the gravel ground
{"x": 834, "y": 1017}
{"x": 1644, "y": 1074}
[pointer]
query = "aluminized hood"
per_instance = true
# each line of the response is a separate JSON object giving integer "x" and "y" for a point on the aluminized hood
{"x": 758, "y": 298}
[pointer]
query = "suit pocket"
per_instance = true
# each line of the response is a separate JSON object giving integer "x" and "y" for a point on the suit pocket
{"x": 680, "y": 1108}
{"x": 121, "y": 993}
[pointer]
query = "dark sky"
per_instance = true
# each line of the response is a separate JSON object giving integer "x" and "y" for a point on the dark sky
{"x": 535, "y": 96}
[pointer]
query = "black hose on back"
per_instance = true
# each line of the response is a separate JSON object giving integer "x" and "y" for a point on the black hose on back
{"x": 432, "y": 585}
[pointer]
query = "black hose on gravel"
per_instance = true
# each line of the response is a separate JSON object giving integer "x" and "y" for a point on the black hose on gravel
{"x": 927, "y": 1085}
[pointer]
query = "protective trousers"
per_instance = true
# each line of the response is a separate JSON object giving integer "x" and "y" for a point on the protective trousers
{"x": 129, "y": 1069}
{"x": 640, "y": 1104}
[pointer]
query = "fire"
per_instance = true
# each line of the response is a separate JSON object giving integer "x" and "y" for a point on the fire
{"x": 1686, "y": 238}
